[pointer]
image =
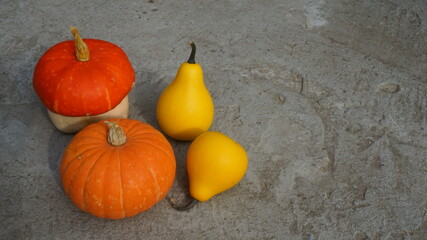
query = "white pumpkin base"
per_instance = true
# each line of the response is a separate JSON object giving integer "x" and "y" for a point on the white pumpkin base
{"x": 74, "y": 124}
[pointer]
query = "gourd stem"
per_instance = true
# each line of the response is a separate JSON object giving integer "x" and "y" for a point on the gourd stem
{"x": 116, "y": 136}
{"x": 186, "y": 207}
{"x": 192, "y": 57}
{"x": 82, "y": 51}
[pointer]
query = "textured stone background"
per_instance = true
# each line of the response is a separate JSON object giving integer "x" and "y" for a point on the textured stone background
{"x": 300, "y": 84}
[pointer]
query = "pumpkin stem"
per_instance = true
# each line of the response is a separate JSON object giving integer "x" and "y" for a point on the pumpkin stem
{"x": 186, "y": 207}
{"x": 116, "y": 135}
{"x": 192, "y": 57}
{"x": 82, "y": 51}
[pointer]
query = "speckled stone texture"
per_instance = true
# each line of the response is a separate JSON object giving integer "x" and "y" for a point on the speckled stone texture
{"x": 329, "y": 98}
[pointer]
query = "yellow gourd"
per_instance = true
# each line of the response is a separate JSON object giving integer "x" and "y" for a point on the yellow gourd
{"x": 215, "y": 163}
{"x": 185, "y": 108}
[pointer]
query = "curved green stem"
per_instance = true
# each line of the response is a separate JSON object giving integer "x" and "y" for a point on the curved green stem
{"x": 192, "y": 57}
{"x": 186, "y": 207}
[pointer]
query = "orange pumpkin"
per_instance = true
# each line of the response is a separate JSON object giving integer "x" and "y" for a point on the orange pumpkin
{"x": 82, "y": 82}
{"x": 117, "y": 168}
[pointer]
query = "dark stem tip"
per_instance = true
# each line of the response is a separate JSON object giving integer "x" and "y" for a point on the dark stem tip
{"x": 186, "y": 207}
{"x": 192, "y": 57}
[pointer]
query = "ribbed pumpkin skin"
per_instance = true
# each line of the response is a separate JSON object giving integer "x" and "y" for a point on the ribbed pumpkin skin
{"x": 72, "y": 88}
{"x": 117, "y": 182}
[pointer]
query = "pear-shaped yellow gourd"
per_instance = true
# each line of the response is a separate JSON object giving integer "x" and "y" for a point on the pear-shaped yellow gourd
{"x": 185, "y": 108}
{"x": 215, "y": 163}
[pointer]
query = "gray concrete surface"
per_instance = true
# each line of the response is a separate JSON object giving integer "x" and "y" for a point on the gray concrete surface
{"x": 302, "y": 85}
